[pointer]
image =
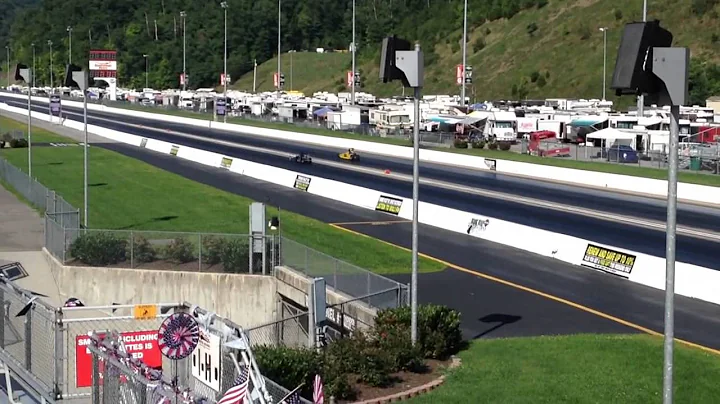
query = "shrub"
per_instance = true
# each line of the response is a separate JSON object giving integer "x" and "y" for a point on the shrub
{"x": 142, "y": 250}
{"x": 478, "y": 45}
{"x": 493, "y": 146}
{"x": 439, "y": 334}
{"x": 541, "y": 82}
{"x": 542, "y": 3}
{"x": 212, "y": 249}
{"x": 504, "y": 146}
{"x": 180, "y": 250}
{"x": 340, "y": 388}
{"x": 375, "y": 367}
{"x": 534, "y": 76}
{"x": 460, "y": 144}
{"x": 618, "y": 14}
{"x": 235, "y": 256}
{"x": 531, "y": 29}
{"x": 289, "y": 366}
{"x": 98, "y": 249}
{"x": 478, "y": 144}
{"x": 396, "y": 342}
{"x": 18, "y": 143}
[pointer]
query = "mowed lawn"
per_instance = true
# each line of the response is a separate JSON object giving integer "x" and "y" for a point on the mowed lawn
{"x": 128, "y": 194}
{"x": 39, "y": 135}
{"x": 625, "y": 369}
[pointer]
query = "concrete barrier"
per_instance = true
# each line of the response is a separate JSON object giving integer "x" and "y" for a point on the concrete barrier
{"x": 616, "y": 182}
{"x": 691, "y": 280}
{"x": 246, "y": 299}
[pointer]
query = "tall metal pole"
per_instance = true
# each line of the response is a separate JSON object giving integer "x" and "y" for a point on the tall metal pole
{"x": 464, "y": 55}
{"x": 33, "y": 77}
{"x": 52, "y": 82}
{"x": 604, "y": 31}
{"x": 641, "y": 97}
{"x": 184, "y": 86}
{"x": 69, "y": 30}
{"x": 29, "y": 125}
{"x": 352, "y": 83}
{"x": 278, "y": 41}
{"x": 225, "y": 7}
{"x": 254, "y": 75}
{"x": 670, "y": 255}
{"x": 146, "y": 70}
{"x": 416, "y": 189}
{"x": 7, "y": 48}
{"x": 291, "y": 69}
{"x": 85, "y": 156}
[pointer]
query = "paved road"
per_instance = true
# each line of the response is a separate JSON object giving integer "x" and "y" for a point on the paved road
{"x": 691, "y": 250}
{"x": 485, "y": 304}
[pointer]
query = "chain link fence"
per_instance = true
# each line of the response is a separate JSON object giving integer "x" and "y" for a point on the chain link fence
{"x": 373, "y": 289}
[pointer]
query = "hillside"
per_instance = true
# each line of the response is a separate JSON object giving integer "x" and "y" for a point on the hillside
{"x": 552, "y": 51}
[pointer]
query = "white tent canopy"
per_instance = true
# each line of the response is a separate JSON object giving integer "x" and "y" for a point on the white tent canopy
{"x": 614, "y": 136}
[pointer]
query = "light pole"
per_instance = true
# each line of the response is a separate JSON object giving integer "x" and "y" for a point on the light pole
{"x": 278, "y": 41}
{"x": 641, "y": 97}
{"x": 7, "y": 48}
{"x": 69, "y": 30}
{"x": 146, "y": 70}
{"x": 352, "y": 83}
{"x": 52, "y": 84}
{"x": 225, "y": 80}
{"x": 183, "y": 15}
{"x": 33, "y": 77}
{"x": 254, "y": 74}
{"x": 464, "y": 55}
{"x": 604, "y": 31}
{"x": 291, "y": 68}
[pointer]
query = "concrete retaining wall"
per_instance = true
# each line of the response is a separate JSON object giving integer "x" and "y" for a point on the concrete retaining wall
{"x": 246, "y": 299}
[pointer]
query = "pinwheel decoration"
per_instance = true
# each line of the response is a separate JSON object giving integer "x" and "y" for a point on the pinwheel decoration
{"x": 178, "y": 336}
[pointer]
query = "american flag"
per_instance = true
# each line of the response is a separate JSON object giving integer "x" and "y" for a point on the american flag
{"x": 236, "y": 394}
{"x": 318, "y": 396}
{"x": 293, "y": 399}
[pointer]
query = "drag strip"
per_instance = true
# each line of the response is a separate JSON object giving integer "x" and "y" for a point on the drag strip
{"x": 651, "y": 241}
{"x": 490, "y": 309}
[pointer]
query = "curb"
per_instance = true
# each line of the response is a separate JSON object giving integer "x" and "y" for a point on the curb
{"x": 415, "y": 391}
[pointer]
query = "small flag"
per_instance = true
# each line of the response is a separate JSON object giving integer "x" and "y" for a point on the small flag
{"x": 236, "y": 394}
{"x": 293, "y": 399}
{"x": 318, "y": 396}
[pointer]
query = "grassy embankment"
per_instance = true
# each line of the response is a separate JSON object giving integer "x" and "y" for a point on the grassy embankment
{"x": 130, "y": 194}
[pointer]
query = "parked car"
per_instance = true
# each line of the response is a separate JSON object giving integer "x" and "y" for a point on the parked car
{"x": 620, "y": 154}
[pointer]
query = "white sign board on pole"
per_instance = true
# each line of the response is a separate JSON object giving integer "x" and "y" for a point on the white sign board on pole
{"x": 206, "y": 360}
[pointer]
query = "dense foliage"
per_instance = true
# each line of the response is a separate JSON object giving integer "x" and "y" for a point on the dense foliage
{"x": 136, "y": 28}
{"x": 371, "y": 357}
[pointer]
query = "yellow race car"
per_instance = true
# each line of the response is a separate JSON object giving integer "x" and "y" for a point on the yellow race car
{"x": 349, "y": 155}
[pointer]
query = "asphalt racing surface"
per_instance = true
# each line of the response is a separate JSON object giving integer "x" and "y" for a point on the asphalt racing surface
{"x": 692, "y": 250}
{"x": 489, "y": 308}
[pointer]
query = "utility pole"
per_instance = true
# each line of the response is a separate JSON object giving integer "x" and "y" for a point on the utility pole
{"x": 7, "y": 48}
{"x": 641, "y": 97}
{"x": 464, "y": 55}
{"x": 254, "y": 75}
{"x": 279, "y": 47}
{"x": 69, "y": 30}
{"x": 33, "y": 70}
{"x": 146, "y": 70}
{"x": 52, "y": 83}
{"x": 352, "y": 90}
{"x": 185, "y": 80}
{"x": 224, "y": 5}
{"x": 604, "y": 31}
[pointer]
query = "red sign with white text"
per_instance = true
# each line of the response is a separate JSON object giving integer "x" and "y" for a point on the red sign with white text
{"x": 349, "y": 79}
{"x": 459, "y": 73}
{"x": 142, "y": 345}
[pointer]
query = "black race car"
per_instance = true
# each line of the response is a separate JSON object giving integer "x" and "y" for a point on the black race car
{"x": 302, "y": 158}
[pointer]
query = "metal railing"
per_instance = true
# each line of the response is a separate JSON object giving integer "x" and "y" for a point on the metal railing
{"x": 343, "y": 276}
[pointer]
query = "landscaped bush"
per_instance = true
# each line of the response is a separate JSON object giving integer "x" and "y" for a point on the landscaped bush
{"x": 478, "y": 144}
{"x": 460, "y": 144}
{"x": 289, "y": 366}
{"x": 18, "y": 143}
{"x": 99, "y": 249}
{"x": 142, "y": 250}
{"x": 212, "y": 249}
{"x": 375, "y": 367}
{"x": 235, "y": 256}
{"x": 180, "y": 250}
{"x": 439, "y": 334}
{"x": 505, "y": 146}
{"x": 492, "y": 145}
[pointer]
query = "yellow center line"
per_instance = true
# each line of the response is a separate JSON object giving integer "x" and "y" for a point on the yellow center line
{"x": 536, "y": 292}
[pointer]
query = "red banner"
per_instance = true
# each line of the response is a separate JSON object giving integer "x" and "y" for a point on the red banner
{"x": 142, "y": 345}
{"x": 459, "y": 73}
{"x": 349, "y": 78}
